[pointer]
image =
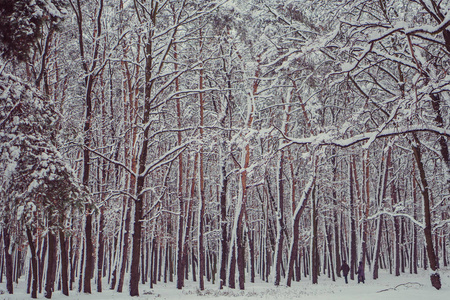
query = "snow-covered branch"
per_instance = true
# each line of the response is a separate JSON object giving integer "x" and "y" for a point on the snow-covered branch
{"x": 327, "y": 139}
{"x": 375, "y": 216}
{"x": 114, "y": 162}
{"x": 163, "y": 159}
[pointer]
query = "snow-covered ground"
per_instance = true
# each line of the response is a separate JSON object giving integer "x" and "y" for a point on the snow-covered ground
{"x": 404, "y": 287}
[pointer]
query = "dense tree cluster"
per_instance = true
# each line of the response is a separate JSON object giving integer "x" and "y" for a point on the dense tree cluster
{"x": 21, "y": 24}
{"x": 168, "y": 140}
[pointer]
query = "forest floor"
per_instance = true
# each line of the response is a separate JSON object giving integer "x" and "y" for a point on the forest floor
{"x": 404, "y": 287}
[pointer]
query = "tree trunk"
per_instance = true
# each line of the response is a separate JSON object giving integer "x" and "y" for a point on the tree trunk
{"x": 160, "y": 255}
{"x": 80, "y": 279}
{"x": 403, "y": 250}
{"x": 100, "y": 251}
{"x": 152, "y": 262}
{"x": 425, "y": 259}
{"x": 64, "y": 263}
{"x": 166, "y": 263}
{"x": 295, "y": 228}
{"x": 8, "y": 260}
{"x": 251, "y": 243}
{"x": 224, "y": 226}
{"x": 51, "y": 261}
{"x": 436, "y": 247}
{"x": 414, "y": 255}
{"x": 366, "y": 177}
{"x": 280, "y": 222}
{"x": 125, "y": 244}
{"x": 337, "y": 242}
{"x": 73, "y": 256}
{"x": 181, "y": 218}
{"x": 232, "y": 268}
{"x": 189, "y": 213}
{"x": 89, "y": 81}
{"x": 444, "y": 251}
{"x": 34, "y": 270}
{"x": 314, "y": 241}
{"x": 268, "y": 259}
{"x": 213, "y": 267}
{"x": 224, "y": 179}
{"x": 89, "y": 253}
{"x": 194, "y": 273}
{"x": 381, "y": 197}
{"x": 202, "y": 203}
{"x": 208, "y": 266}
{"x": 298, "y": 260}
{"x": 238, "y": 229}
{"x": 137, "y": 226}
{"x": 2, "y": 260}
{"x": 330, "y": 251}
{"x": 17, "y": 268}
{"x": 180, "y": 244}
{"x": 240, "y": 242}
{"x": 436, "y": 104}
{"x": 435, "y": 277}
{"x": 305, "y": 262}
{"x": 388, "y": 248}
{"x": 113, "y": 264}
{"x": 396, "y": 231}
{"x": 155, "y": 261}
{"x": 30, "y": 277}
{"x": 353, "y": 258}
{"x": 170, "y": 263}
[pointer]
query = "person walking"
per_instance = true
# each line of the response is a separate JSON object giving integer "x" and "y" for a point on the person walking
{"x": 345, "y": 269}
{"x": 360, "y": 272}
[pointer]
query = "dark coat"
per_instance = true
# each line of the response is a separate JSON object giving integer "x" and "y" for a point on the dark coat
{"x": 360, "y": 272}
{"x": 345, "y": 269}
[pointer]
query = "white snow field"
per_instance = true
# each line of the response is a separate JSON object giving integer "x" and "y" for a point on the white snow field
{"x": 387, "y": 287}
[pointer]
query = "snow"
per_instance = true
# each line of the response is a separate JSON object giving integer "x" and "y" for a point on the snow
{"x": 20, "y": 212}
{"x": 328, "y": 139}
{"x": 10, "y": 169}
{"x": 14, "y": 152}
{"x": 33, "y": 185}
{"x": 405, "y": 287}
{"x": 347, "y": 67}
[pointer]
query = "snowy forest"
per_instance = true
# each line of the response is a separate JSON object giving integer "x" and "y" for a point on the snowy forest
{"x": 222, "y": 142}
